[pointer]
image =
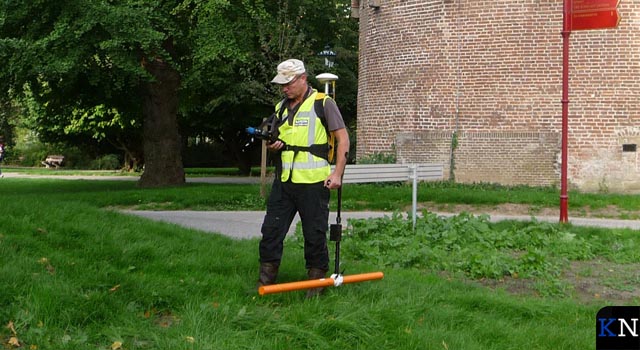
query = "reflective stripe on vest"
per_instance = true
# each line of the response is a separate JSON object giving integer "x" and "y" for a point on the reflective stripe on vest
{"x": 306, "y": 130}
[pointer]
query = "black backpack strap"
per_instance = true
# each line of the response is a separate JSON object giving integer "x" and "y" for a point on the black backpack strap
{"x": 318, "y": 106}
{"x": 318, "y": 150}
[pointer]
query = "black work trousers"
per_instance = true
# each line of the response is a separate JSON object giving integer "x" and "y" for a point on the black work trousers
{"x": 311, "y": 201}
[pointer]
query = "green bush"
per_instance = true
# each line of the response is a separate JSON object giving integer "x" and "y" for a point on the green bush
{"x": 32, "y": 155}
{"x": 378, "y": 158}
{"x": 106, "y": 162}
{"x": 27, "y": 155}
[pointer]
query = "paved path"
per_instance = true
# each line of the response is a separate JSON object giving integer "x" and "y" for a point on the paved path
{"x": 246, "y": 224}
{"x": 237, "y": 224}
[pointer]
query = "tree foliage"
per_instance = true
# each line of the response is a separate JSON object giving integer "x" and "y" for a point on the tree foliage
{"x": 136, "y": 72}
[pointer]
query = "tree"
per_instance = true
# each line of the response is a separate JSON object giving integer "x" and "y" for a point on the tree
{"x": 7, "y": 122}
{"x": 109, "y": 69}
{"x": 81, "y": 56}
{"x": 238, "y": 91}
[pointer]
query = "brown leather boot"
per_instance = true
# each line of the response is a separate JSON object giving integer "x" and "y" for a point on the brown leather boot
{"x": 268, "y": 274}
{"x": 315, "y": 274}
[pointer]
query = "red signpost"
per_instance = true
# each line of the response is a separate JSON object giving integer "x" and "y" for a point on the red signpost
{"x": 578, "y": 15}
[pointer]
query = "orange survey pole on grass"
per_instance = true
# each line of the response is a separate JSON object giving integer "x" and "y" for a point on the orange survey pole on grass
{"x": 323, "y": 282}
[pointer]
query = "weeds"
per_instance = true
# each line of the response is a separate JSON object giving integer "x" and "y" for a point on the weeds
{"x": 471, "y": 245}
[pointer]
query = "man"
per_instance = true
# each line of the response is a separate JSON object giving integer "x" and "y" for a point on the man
{"x": 303, "y": 174}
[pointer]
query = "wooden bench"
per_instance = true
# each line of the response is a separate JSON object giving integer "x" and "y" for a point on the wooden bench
{"x": 369, "y": 173}
{"x": 53, "y": 161}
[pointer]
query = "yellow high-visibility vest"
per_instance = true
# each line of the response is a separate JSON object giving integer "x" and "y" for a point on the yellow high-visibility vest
{"x": 305, "y": 130}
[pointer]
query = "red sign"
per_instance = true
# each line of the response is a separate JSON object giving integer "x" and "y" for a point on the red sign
{"x": 593, "y": 5}
{"x": 595, "y": 20}
{"x": 594, "y": 14}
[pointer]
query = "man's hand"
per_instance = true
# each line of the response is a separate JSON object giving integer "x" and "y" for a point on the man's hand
{"x": 275, "y": 145}
{"x": 333, "y": 181}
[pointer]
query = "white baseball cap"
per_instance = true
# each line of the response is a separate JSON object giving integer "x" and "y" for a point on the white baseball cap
{"x": 288, "y": 70}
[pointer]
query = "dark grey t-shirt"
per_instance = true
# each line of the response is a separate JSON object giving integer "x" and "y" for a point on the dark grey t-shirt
{"x": 333, "y": 115}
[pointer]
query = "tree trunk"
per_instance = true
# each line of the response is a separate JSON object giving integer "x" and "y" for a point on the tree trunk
{"x": 162, "y": 147}
{"x": 132, "y": 153}
{"x": 241, "y": 156}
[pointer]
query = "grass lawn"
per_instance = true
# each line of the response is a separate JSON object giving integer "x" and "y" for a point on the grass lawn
{"x": 191, "y": 172}
{"x": 77, "y": 274}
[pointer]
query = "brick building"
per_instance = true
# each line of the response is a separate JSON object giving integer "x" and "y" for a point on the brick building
{"x": 477, "y": 84}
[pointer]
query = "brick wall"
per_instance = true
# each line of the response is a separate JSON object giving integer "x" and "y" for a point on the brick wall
{"x": 425, "y": 147}
{"x": 492, "y": 70}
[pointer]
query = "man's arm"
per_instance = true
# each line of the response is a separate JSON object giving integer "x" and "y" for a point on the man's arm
{"x": 335, "y": 178}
